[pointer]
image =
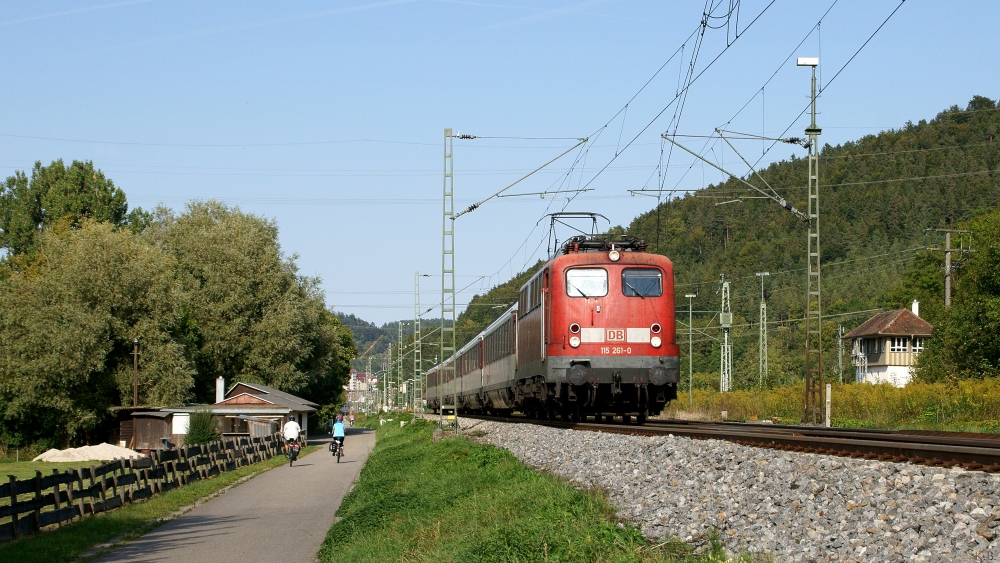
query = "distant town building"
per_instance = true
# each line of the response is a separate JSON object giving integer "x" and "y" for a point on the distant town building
{"x": 886, "y": 346}
{"x": 359, "y": 390}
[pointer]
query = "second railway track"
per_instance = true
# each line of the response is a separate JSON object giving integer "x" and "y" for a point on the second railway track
{"x": 947, "y": 449}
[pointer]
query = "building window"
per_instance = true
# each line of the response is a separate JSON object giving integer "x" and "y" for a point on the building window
{"x": 918, "y": 345}
{"x": 898, "y": 344}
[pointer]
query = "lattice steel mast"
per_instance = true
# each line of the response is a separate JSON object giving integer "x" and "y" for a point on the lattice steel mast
{"x": 447, "y": 372}
{"x": 399, "y": 367}
{"x": 814, "y": 308}
{"x": 418, "y": 387}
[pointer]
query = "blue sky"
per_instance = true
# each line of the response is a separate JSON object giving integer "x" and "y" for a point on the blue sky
{"x": 329, "y": 117}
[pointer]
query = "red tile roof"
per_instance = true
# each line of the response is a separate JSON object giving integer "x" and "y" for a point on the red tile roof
{"x": 901, "y": 322}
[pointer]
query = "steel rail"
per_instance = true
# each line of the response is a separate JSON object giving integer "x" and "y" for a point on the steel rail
{"x": 936, "y": 448}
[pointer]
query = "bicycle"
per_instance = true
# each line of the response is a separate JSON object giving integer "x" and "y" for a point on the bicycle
{"x": 337, "y": 449}
{"x": 292, "y": 451}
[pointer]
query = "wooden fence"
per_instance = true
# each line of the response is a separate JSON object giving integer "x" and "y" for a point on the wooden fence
{"x": 29, "y": 505}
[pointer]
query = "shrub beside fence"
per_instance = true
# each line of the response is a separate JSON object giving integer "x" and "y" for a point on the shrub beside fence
{"x": 29, "y": 505}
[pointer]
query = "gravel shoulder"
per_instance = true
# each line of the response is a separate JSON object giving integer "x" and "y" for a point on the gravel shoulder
{"x": 800, "y": 507}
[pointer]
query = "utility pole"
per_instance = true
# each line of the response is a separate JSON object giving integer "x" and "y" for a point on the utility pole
{"x": 690, "y": 296}
{"x": 814, "y": 309}
{"x": 726, "y": 320}
{"x": 135, "y": 372}
{"x": 947, "y": 258}
{"x": 447, "y": 372}
{"x": 762, "y": 338}
{"x": 386, "y": 387}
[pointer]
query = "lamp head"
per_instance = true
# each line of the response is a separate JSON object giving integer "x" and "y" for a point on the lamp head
{"x": 807, "y": 61}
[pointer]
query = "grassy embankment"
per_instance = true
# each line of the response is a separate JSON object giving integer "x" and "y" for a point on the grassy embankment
{"x": 456, "y": 500}
{"x": 968, "y": 406}
{"x": 72, "y": 541}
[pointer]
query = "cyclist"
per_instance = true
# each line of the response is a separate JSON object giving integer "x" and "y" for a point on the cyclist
{"x": 291, "y": 431}
{"x": 338, "y": 432}
{"x": 352, "y": 419}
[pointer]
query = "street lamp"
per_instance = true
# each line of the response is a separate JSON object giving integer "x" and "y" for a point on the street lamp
{"x": 690, "y": 296}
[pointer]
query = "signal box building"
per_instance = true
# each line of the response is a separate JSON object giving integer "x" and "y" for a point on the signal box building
{"x": 886, "y": 346}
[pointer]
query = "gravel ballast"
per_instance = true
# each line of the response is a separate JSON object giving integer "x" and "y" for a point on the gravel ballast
{"x": 799, "y": 507}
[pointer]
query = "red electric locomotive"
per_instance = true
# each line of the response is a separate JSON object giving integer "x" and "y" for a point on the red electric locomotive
{"x": 594, "y": 334}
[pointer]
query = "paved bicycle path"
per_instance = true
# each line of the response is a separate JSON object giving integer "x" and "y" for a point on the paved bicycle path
{"x": 282, "y": 515}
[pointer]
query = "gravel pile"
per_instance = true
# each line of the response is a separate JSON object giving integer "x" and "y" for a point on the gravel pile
{"x": 800, "y": 507}
{"x": 100, "y": 452}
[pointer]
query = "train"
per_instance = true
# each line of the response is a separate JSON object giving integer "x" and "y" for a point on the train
{"x": 592, "y": 334}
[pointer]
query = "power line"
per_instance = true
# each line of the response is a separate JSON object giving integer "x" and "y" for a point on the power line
{"x": 210, "y": 145}
{"x": 675, "y": 98}
{"x": 796, "y": 270}
{"x": 897, "y": 180}
{"x": 823, "y": 87}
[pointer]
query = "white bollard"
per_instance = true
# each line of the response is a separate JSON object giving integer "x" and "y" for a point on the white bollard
{"x": 828, "y": 388}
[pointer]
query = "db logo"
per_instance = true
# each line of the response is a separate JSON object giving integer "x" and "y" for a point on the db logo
{"x": 616, "y": 335}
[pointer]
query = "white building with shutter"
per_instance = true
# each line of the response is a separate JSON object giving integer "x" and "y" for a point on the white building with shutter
{"x": 886, "y": 346}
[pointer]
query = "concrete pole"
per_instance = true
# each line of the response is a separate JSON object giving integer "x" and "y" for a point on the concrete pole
{"x": 947, "y": 269}
{"x": 135, "y": 372}
{"x": 690, "y": 296}
{"x": 828, "y": 390}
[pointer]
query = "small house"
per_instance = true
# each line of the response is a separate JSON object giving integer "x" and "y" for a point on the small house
{"x": 885, "y": 347}
{"x": 247, "y": 409}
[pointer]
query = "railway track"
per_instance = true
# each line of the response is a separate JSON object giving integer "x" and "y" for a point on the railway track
{"x": 946, "y": 449}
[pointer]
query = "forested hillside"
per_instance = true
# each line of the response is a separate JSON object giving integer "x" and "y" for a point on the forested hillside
{"x": 879, "y": 194}
{"x": 206, "y": 293}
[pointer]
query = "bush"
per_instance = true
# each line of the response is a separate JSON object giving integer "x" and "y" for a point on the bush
{"x": 201, "y": 429}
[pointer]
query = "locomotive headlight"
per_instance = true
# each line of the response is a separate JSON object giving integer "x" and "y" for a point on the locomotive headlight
{"x": 574, "y": 341}
{"x": 614, "y": 255}
{"x": 655, "y": 341}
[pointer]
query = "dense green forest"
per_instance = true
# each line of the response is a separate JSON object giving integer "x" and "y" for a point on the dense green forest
{"x": 207, "y": 293}
{"x": 879, "y": 195}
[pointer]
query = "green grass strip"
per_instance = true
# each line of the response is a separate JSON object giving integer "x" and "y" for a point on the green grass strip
{"x": 73, "y": 541}
{"x": 26, "y": 469}
{"x": 459, "y": 501}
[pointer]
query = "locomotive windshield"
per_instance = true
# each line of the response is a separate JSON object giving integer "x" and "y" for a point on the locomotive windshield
{"x": 587, "y": 282}
{"x": 642, "y": 282}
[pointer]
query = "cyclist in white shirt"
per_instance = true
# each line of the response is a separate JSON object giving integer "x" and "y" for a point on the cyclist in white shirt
{"x": 291, "y": 431}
